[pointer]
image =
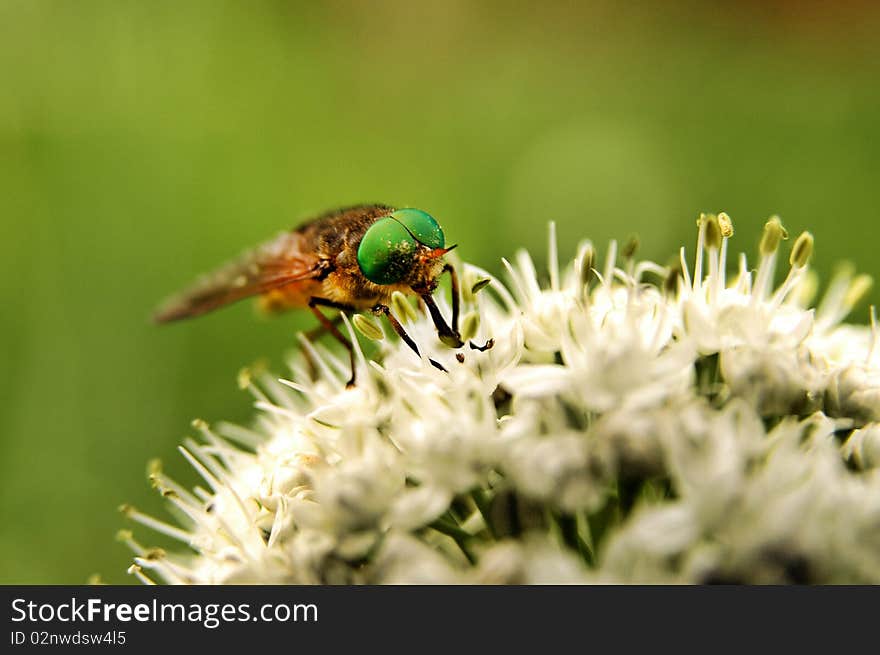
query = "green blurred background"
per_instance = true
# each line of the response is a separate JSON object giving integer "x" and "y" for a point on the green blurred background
{"x": 144, "y": 142}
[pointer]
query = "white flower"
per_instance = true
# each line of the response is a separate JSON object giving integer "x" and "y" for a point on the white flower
{"x": 862, "y": 447}
{"x": 447, "y": 436}
{"x": 855, "y": 392}
{"x": 628, "y": 424}
{"x": 407, "y": 560}
{"x": 558, "y": 468}
{"x": 779, "y": 509}
{"x": 534, "y": 561}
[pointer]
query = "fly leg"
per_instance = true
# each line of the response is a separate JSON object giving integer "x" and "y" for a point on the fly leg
{"x": 450, "y": 334}
{"x": 330, "y": 326}
{"x": 447, "y": 335}
{"x": 456, "y": 295}
{"x": 319, "y": 331}
{"x": 395, "y": 324}
{"x": 456, "y": 303}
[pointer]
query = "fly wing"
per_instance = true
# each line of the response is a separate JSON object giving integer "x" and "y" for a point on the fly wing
{"x": 272, "y": 265}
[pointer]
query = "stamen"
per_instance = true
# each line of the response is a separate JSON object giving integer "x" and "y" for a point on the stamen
{"x": 248, "y": 438}
{"x": 126, "y": 537}
{"x": 584, "y": 264}
{"x": 317, "y": 359}
{"x": 773, "y": 234}
{"x": 470, "y": 325}
{"x": 553, "y": 257}
{"x": 684, "y": 269}
{"x": 610, "y": 261}
{"x": 857, "y": 291}
{"x": 875, "y": 336}
{"x": 156, "y": 525}
{"x": 743, "y": 277}
{"x": 712, "y": 232}
{"x": 370, "y": 329}
{"x": 213, "y": 482}
{"x": 358, "y": 351}
{"x": 514, "y": 278}
{"x": 137, "y": 571}
{"x": 403, "y": 308}
{"x": 726, "y": 226}
{"x": 802, "y": 250}
{"x": 701, "y": 240}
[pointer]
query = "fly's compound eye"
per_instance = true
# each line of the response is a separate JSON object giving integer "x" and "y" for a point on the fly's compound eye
{"x": 386, "y": 251}
{"x": 422, "y": 226}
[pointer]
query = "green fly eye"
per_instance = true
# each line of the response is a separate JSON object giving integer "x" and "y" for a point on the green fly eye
{"x": 422, "y": 226}
{"x": 386, "y": 251}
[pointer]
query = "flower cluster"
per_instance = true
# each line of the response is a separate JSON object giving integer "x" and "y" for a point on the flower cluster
{"x": 631, "y": 423}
